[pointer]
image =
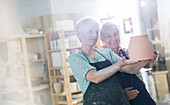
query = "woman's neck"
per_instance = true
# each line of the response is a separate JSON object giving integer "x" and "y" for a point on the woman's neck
{"x": 115, "y": 50}
{"x": 88, "y": 50}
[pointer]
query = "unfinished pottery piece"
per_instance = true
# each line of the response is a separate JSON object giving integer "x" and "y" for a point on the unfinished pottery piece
{"x": 140, "y": 48}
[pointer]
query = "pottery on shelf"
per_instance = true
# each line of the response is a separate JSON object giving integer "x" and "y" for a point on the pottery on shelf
{"x": 140, "y": 48}
{"x": 73, "y": 86}
{"x": 57, "y": 87}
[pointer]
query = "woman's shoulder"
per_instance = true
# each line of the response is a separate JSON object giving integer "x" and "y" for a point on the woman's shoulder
{"x": 104, "y": 50}
{"x": 75, "y": 56}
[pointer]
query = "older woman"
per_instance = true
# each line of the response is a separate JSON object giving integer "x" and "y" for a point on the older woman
{"x": 131, "y": 83}
{"x": 95, "y": 69}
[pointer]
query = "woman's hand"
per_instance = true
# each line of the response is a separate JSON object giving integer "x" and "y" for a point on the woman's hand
{"x": 150, "y": 64}
{"x": 133, "y": 68}
{"x": 125, "y": 62}
{"x": 131, "y": 94}
{"x": 155, "y": 55}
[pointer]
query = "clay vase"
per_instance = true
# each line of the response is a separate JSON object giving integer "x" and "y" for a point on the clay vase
{"x": 140, "y": 48}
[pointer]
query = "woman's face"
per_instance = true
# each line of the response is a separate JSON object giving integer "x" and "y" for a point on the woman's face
{"x": 89, "y": 35}
{"x": 111, "y": 37}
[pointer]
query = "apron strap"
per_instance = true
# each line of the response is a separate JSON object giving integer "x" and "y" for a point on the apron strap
{"x": 96, "y": 51}
{"x": 84, "y": 54}
{"x": 101, "y": 54}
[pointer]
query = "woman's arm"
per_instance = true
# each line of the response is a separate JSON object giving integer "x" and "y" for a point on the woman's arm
{"x": 151, "y": 63}
{"x": 99, "y": 76}
{"x": 135, "y": 67}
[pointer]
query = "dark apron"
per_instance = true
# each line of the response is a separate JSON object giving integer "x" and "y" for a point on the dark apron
{"x": 107, "y": 92}
{"x": 131, "y": 80}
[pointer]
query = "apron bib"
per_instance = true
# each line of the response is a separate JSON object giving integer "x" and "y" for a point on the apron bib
{"x": 107, "y": 92}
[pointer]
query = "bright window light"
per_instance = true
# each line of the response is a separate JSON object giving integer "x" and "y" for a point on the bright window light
{"x": 142, "y": 3}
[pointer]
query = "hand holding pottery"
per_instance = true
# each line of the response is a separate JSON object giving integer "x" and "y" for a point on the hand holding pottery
{"x": 125, "y": 62}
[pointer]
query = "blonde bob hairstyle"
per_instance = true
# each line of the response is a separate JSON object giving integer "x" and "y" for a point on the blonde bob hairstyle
{"x": 84, "y": 24}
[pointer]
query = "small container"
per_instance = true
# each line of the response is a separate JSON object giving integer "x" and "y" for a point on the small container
{"x": 73, "y": 86}
{"x": 57, "y": 87}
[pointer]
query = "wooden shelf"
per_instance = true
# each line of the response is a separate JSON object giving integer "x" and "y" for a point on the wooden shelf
{"x": 34, "y": 36}
{"x": 67, "y": 49}
{"x": 5, "y": 39}
{"x": 57, "y": 94}
{"x": 72, "y": 48}
{"x": 78, "y": 100}
{"x": 19, "y": 37}
{"x": 13, "y": 90}
{"x": 37, "y": 79}
{"x": 54, "y": 68}
{"x": 25, "y": 44}
{"x": 76, "y": 92}
{"x": 40, "y": 87}
{"x": 8, "y": 64}
{"x": 56, "y": 50}
{"x": 57, "y": 32}
{"x": 74, "y": 101}
{"x": 60, "y": 76}
{"x": 153, "y": 29}
{"x": 71, "y": 75}
{"x": 38, "y": 61}
{"x": 61, "y": 36}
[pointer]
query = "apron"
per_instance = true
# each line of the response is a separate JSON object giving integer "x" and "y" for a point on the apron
{"x": 107, "y": 92}
{"x": 131, "y": 80}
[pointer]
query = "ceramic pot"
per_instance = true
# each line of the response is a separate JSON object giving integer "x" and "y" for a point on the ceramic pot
{"x": 57, "y": 87}
{"x": 73, "y": 86}
{"x": 140, "y": 48}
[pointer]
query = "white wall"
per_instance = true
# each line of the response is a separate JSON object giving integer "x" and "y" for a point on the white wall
{"x": 131, "y": 9}
{"x": 32, "y": 8}
{"x": 122, "y": 9}
{"x": 88, "y": 7}
{"x": 164, "y": 22}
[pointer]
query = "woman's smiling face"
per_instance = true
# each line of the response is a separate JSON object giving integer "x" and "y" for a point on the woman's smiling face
{"x": 111, "y": 37}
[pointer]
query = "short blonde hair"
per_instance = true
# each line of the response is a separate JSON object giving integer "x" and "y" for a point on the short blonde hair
{"x": 107, "y": 25}
{"x": 84, "y": 23}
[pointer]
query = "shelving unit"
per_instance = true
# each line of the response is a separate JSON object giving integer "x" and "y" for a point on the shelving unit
{"x": 54, "y": 76}
{"x": 31, "y": 44}
{"x": 27, "y": 44}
